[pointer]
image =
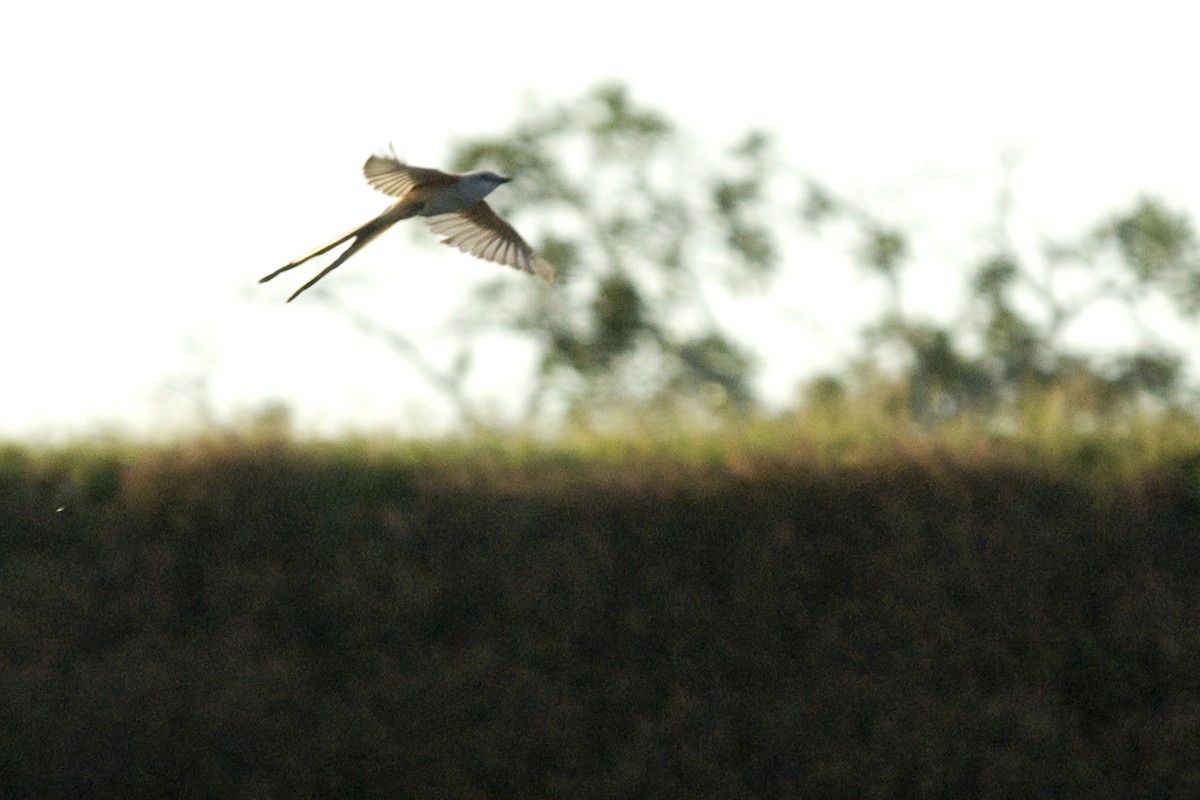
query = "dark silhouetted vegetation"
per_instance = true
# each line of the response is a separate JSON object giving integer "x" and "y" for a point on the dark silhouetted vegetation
{"x": 767, "y": 614}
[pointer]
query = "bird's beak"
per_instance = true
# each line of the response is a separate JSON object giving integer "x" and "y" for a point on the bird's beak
{"x": 504, "y": 179}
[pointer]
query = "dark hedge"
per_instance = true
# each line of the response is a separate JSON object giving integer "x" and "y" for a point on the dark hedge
{"x": 276, "y": 621}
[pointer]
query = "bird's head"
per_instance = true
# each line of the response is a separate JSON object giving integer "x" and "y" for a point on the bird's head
{"x": 492, "y": 177}
{"x": 480, "y": 184}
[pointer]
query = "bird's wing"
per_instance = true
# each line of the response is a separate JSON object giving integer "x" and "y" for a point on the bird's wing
{"x": 392, "y": 176}
{"x": 478, "y": 231}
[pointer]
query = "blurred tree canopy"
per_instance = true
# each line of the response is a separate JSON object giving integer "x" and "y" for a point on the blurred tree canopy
{"x": 1009, "y": 338}
{"x": 647, "y": 232}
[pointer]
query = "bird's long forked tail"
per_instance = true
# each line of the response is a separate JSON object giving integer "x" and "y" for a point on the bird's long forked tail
{"x": 361, "y": 236}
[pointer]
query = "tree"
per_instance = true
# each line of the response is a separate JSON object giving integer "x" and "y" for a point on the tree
{"x": 660, "y": 231}
{"x": 650, "y": 235}
{"x": 1010, "y": 337}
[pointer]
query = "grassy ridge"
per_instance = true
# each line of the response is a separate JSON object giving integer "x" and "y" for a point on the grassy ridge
{"x": 732, "y": 617}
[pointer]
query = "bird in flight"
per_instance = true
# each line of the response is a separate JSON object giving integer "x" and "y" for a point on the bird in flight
{"x": 454, "y": 207}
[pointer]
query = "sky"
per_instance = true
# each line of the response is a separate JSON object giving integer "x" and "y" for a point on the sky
{"x": 158, "y": 159}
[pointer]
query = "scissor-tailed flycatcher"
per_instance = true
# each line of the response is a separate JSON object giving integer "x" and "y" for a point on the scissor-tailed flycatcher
{"x": 455, "y": 208}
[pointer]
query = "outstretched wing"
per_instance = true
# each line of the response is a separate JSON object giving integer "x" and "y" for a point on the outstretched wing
{"x": 478, "y": 231}
{"x": 392, "y": 176}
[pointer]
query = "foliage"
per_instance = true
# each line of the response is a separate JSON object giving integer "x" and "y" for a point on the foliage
{"x": 761, "y": 615}
{"x": 654, "y": 237}
{"x": 659, "y": 231}
{"x": 1012, "y": 336}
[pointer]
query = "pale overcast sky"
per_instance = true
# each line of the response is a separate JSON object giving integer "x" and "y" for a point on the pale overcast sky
{"x": 158, "y": 159}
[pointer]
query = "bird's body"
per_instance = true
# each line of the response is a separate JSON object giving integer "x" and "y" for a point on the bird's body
{"x": 455, "y": 208}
